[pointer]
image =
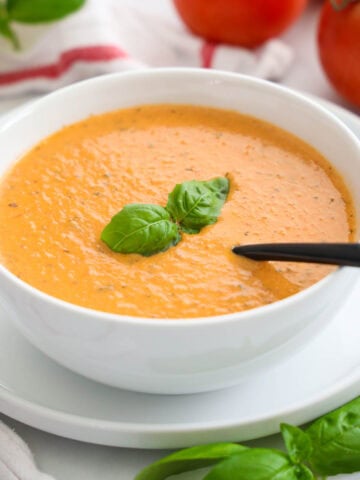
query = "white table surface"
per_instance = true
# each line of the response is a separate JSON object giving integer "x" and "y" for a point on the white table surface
{"x": 72, "y": 460}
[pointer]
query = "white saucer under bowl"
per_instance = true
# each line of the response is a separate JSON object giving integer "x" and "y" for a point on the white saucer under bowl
{"x": 325, "y": 374}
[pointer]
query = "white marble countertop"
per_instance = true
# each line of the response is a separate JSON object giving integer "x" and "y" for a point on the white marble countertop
{"x": 69, "y": 460}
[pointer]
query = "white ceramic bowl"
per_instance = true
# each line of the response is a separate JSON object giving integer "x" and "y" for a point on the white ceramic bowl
{"x": 178, "y": 356}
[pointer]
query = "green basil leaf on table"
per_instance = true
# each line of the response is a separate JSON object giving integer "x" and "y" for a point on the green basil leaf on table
{"x": 336, "y": 441}
{"x": 195, "y": 204}
{"x": 297, "y": 442}
{"x": 38, "y": 11}
{"x": 188, "y": 460}
{"x": 141, "y": 228}
{"x": 259, "y": 464}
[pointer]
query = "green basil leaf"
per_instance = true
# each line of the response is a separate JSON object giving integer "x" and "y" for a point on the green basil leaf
{"x": 38, "y": 11}
{"x": 259, "y": 464}
{"x": 196, "y": 204}
{"x": 336, "y": 440}
{"x": 188, "y": 460}
{"x": 297, "y": 442}
{"x": 141, "y": 228}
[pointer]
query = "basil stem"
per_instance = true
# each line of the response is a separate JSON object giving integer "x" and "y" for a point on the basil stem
{"x": 7, "y": 32}
{"x": 341, "y": 4}
{"x": 297, "y": 442}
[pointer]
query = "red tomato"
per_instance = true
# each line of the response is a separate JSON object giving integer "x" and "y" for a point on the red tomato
{"x": 239, "y": 22}
{"x": 339, "y": 48}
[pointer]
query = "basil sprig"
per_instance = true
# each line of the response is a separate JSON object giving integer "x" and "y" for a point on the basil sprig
{"x": 33, "y": 11}
{"x": 147, "y": 229}
{"x": 330, "y": 446}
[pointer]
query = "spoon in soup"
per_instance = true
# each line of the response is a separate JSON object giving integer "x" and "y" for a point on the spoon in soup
{"x": 346, "y": 254}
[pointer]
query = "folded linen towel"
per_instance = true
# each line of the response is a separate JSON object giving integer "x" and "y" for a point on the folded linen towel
{"x": 115, "y": 35}
{"x": 16, "y": 460}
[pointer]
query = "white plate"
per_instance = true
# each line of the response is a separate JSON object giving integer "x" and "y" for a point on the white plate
{"x": 325, "y": 374}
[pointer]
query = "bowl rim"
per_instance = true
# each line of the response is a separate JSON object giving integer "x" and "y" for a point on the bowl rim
{"x": 171, "y": 322}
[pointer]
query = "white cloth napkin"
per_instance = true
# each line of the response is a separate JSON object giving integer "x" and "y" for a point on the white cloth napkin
{"x": 16, "y": 460}
{"x": 115, "y": 35}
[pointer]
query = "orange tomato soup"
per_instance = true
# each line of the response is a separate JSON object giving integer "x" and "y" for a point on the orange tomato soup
{"x": 56, "y": 200}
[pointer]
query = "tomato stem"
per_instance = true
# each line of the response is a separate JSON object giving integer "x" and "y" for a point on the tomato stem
{"x": 341, "y": 4}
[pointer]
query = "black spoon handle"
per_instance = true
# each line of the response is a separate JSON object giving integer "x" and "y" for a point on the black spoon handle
{"x": 330, "y": 253}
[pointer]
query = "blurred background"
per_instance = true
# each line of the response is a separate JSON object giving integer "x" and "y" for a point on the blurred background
{"x": 309, "y": 45}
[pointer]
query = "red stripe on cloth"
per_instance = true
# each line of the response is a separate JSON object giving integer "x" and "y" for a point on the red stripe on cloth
{"x": 64, "y": 63}
{"x": 207, "y": 54}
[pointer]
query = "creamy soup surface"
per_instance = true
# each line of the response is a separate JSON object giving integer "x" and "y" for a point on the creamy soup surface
{"x": 56, "y": 200}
